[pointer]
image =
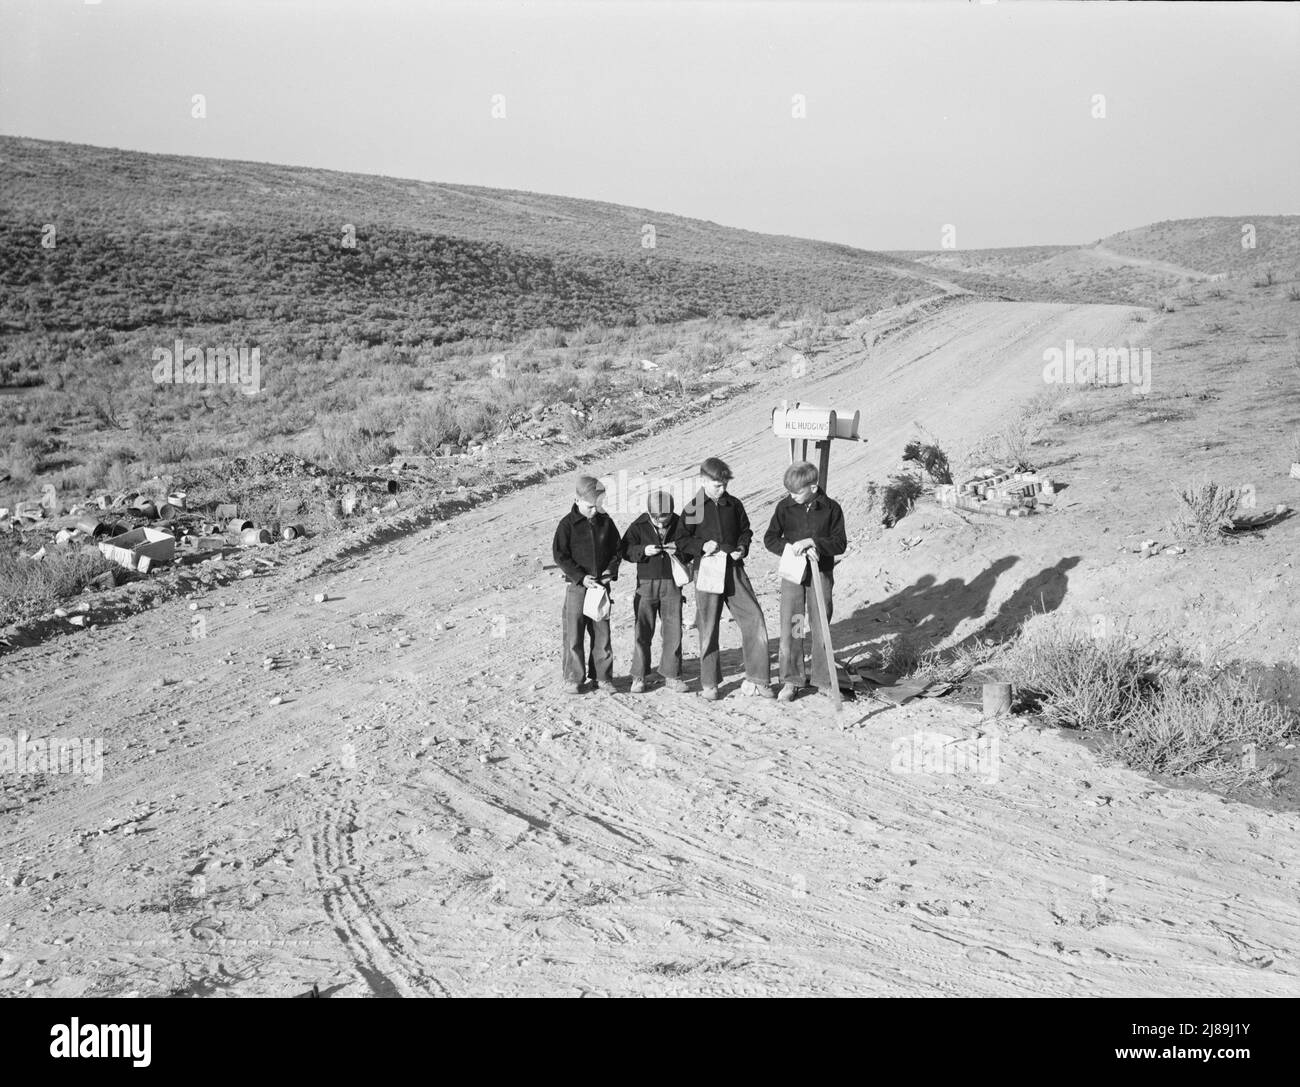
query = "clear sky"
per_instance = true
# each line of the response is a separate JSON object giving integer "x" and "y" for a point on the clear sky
{"x": 917, "y": 114}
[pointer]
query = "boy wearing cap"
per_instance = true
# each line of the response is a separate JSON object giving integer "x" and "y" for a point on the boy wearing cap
{"x": 586, "y": 549}
{"x": 649, "y": 542}
{"x": 716, "y": 522}
{"x": 813, "y": 524}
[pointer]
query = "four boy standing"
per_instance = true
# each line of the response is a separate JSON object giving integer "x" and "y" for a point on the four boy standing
{"x": 714, "y": 526}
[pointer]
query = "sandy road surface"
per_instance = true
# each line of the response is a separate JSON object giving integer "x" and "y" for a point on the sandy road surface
{"x": 427, "y": 814}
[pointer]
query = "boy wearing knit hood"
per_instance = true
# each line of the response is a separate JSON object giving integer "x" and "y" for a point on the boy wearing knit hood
{"x": 650, "y": 542}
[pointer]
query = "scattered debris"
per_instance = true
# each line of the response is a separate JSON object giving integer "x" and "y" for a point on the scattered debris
{"x": 1000, "y": 493}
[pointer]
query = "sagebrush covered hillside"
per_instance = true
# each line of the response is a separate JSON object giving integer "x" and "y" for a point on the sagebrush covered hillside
{"x": 157, "y": 240}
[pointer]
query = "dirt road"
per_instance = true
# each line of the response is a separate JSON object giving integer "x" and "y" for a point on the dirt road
{"x": 1110, "y": 257}
{"x": 426, "y": 813}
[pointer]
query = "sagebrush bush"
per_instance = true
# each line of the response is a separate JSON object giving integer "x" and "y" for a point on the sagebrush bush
{"x": 1193, "y": 720}
{"x": 1082, "y": 681}
{"x": 429, "y": 426}
{"x": 1206, "y": 509}
{"x": 349, "y": 444}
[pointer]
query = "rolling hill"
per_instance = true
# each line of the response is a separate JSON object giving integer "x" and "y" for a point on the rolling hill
{"x": 1140, "y": 265}
{"x": 144, "y": 241}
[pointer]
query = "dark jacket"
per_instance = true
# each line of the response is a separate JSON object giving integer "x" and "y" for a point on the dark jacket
{"x": 819, "y": 519}
{"x": 724, "y": 522}
{"x": 642, "y": 531}
{"x": 586, "y": 548}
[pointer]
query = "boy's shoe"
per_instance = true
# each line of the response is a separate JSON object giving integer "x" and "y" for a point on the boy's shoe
{"x": 638, "y": 686}
{"x": 786, "y": 694}
{"x": 678, "y": 686}
{"x": 756, "y": 690}
{"x": 709, "y": 694}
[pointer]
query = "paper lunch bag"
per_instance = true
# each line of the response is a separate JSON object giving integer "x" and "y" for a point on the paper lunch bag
{"x": 595, "y": 604}
{"x": 711, "y": 577}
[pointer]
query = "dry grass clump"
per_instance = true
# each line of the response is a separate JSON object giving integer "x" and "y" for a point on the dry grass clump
{"x": 29, "y": 588}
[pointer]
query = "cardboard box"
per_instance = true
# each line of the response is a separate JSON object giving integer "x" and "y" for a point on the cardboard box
{"x": 140, "y": 543}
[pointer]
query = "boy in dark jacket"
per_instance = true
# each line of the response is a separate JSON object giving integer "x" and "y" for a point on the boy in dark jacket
{"x": 586, "y": 551}
{"x": 811, "y": 522}
{"x": 716, "y": 521}
{"x": 649, "y": 542}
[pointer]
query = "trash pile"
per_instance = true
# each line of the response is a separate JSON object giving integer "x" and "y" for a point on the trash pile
{"x": 135, "y": 531}
{"x": 1002, "y": 493}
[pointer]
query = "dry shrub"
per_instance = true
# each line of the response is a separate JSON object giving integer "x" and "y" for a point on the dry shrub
{"x": 1080, "y": 681}
{"x": 352, "y": 443}
{"x": 899, "y": 497}
{"x": 1194, "y": 722}
{"x": 1206, "y": 509}
{"x": 931, "y": 458}
{"x": 428, "y": 427}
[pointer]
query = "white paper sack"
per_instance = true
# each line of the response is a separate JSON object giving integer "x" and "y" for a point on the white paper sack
{"x": 712, "y": 574}
{"x": 792, "y": 566}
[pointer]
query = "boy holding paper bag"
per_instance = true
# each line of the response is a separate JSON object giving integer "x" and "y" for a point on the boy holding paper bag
{"x": 717, "y": 539}
{"x": 586, "y": 549}
{"x": 804, "y": 522}
{"x": 651, "y": 543}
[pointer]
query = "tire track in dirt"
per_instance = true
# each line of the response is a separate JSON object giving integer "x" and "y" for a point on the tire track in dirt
{"x": 374, "y": 941}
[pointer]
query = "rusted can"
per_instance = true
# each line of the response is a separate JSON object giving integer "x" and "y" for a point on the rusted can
{"x": 997, "y": 699}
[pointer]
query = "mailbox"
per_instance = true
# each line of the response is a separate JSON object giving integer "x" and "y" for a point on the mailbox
{"x": 815, "y": 423}
{"x": 801, "y": 422}
{"x": 804, "y": 423}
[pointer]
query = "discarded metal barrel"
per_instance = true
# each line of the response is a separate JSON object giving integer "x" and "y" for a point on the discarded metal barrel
{"x": 144, "y": 506}
{"x": 254, "y": 536}
{"x": 167, "y": 511}
{"x": 997, "y": 699}
{"x": 292, "y": 532}
{"x": 239, "y": 525}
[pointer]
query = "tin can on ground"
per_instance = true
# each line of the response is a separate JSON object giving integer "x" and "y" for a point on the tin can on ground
{"x": 997, "y": 699}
